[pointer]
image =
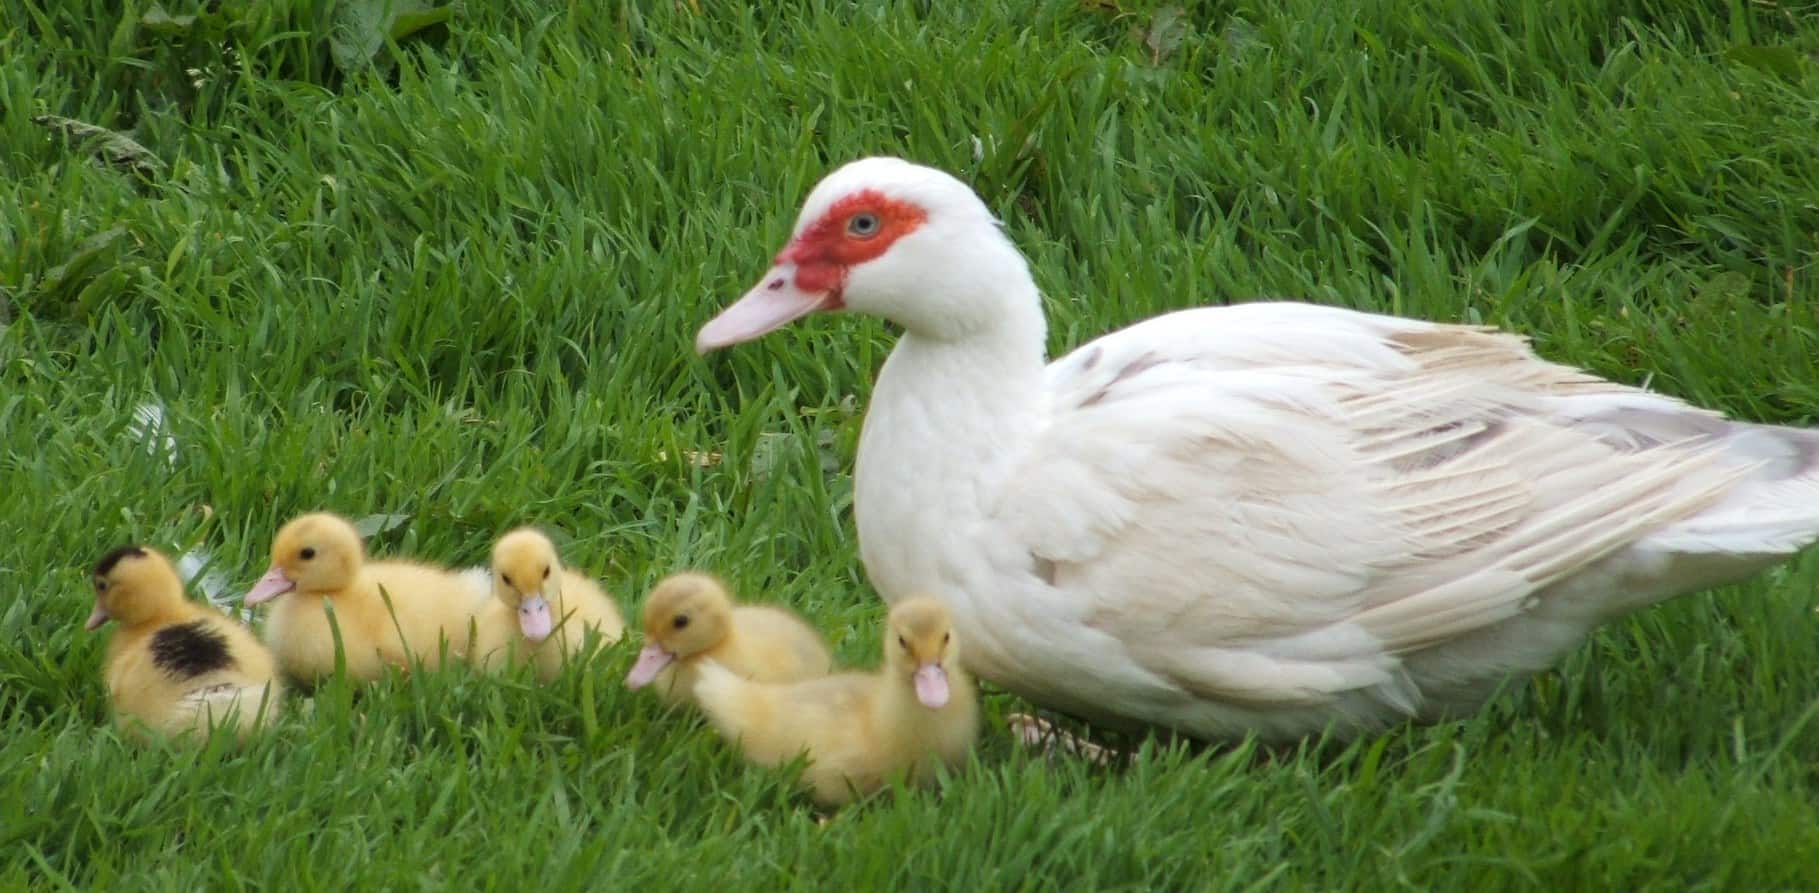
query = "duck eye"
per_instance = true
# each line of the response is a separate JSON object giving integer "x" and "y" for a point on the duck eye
{"x": 508, "y": 581}
{"x": 681, "y": 621}
{"x": 308, "y": 553}
{"x": 863, "y": 225}
{"x": 100, "y": 585}
{"x": 546, "y": 573}
{"x": 945, "y": 637}
{"x": 904, "y": 642}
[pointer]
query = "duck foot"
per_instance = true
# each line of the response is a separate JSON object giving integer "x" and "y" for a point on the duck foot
{"x": 1034, "y": 731}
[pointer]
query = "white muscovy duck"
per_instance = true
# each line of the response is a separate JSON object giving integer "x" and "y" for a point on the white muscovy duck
{"x": 1270, "y": 517}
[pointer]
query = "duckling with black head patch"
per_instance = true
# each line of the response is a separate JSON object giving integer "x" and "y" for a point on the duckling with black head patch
{"x": 176, "y": 667}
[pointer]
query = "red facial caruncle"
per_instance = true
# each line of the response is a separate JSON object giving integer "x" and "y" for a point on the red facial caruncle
{"x": 857, "y": 228}
{"x": 811, "y": 273}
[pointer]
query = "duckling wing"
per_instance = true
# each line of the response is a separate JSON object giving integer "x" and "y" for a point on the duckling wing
{"x": 242, "y": 702}
{"x": 774, "y": 722}
{"x": 591, "y": 605}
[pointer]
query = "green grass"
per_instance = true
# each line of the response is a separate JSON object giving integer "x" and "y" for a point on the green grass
{"x": 462, "y": 284}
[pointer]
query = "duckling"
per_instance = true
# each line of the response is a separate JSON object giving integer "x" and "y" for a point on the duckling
{"x": 528, "y": 580}
{"x": 690, "y": 617}
{"x": 175, "y": 666}
{"x": 858, "y": 729}
{"x": 319, "y": 560}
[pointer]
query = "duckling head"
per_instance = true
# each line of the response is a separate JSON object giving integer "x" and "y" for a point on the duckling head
{"x": 527, "y": 575}
{"x": 685, "y": 615}
{"x": 318, "y": 552}
{"x": 919, "y": 647}
{"x": 133, "y": 585}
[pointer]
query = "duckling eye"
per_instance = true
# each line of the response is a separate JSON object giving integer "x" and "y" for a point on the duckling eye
{"x": 546, "y": 573}
{"x": 508, "y": 581}
{"x": 945, "y": 637}
{"x": 863, "y": 225}
{"x": 681, "y": 621}
{"x": 100, "y": 585}
{"x": 308, "y": 553}
{"x": 903, "y": 642}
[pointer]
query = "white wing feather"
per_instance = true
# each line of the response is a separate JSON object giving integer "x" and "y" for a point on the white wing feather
{"x": 1256, "y": 524}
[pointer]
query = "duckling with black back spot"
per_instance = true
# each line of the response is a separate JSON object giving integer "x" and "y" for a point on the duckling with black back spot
{"x": 176, "y": 667}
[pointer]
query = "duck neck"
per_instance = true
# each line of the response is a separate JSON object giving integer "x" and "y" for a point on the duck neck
{"x": 730, "y": 643}
{"x": 946, "y": 415}
{"x": 164, "y": 612}
{"x": 896, "y": 709}
{"x": 360, "y": 595}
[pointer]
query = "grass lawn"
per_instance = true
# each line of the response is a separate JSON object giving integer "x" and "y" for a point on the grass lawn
{"x": 456, "y": 277}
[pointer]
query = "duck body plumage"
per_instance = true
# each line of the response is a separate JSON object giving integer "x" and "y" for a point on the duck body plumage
{"x": 763, "y": 643}
{"x": 690, "y": 618}
{"x": 393, "y": 610}
{"x": 918, "y": 712}
{"x": 580, "y": 606}
{"x": 855, "y": 732}
{"x": 176, "y": 667}
{"x": 1271, "y": 517}
{"x": 190, "y": 673}
{"x": 330, "y": 598}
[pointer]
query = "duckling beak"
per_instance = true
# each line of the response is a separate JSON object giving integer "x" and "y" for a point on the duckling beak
{"x": 96, "y": 619}
{"x": 651, "y": 661}
{"x": 534, "y": 618}
{"x": 772, "y": 304}
{"x": 931, "y": 686}
{"x": 270, "y": 586}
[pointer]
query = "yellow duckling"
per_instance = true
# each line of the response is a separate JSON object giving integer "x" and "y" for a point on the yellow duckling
{"x": 858, "y": 729}
{"x": 319, "y": 560}
{"x": 690, "y": 618}
{"x": 176, "y": 666}
{"x": 555, "y": 607}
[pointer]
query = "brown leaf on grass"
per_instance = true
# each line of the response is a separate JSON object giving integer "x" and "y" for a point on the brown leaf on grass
{"x": 375, "y": 524}
{"x": 66, "y": 283}
{"x": 110, "y": 146}
{"x": 159, "y": 20}
{"x": 363, "y": 27}
{"x": 696, "y": 458}
{"x": 1167, "y": 28}
{"x": 1780, "y": 61}
{"x": 1724, "y": 287}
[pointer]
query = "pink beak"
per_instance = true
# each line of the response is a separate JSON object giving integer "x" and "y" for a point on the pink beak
{"x": 534, "y": 618}
{"x": 270, "y": 586}
{"x": 96, "y": 619}
{"x": 931, "y": 686}
{"x": 774, "y": 303}
{"x": 651, "y": 661}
